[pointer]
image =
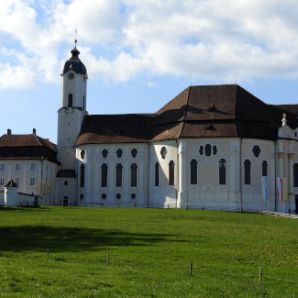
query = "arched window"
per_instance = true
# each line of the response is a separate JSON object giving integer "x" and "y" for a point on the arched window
{"x": 133, "y": 175}
{"x": 104, "y": 175}
{"x": 82, "y": 176}
{"x": 247, "y": 165}
{"x": 119, "y": 175}
{"x": 295, "y": 172}
{"x": 156, "y": 174}
{"x": 171, "y": 172}
{"x": 222, "y": 171}
{"x": 70, "y": 100}
{"x": 193, "y": 172}
{"x": 264, "y": 168}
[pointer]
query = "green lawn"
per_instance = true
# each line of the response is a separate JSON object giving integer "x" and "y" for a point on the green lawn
{"x": 76, "y": 252}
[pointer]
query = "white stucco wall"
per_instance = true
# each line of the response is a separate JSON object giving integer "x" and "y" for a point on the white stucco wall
{"x": 24, "y": 171}
{"x": 91, "y": 193}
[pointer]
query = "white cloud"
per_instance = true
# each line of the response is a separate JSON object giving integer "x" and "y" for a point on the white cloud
{"x": 120, "y": 39}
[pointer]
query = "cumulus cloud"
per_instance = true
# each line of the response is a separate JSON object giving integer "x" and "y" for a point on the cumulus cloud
{"x": 121, "y": 39}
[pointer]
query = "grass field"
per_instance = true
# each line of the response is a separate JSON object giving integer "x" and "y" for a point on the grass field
{"x": 76, "y": 252}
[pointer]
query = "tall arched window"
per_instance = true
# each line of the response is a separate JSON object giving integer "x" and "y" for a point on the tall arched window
{"x": 247, "y": 165}
{"x": 193, "y": 172}
{"x": 104, "y": 175}
{"x": 264, "y": 168}
{"x": 156, "y": 174}
{"x": 295, "y": 172}
{"x": 119, "y": 175}
{"x": 171, "y": 172}
{"x": 70, "y": 100}
{"x": 222, "y": 171}
{"x": 133, "y": 175}
{"x": 82, "y": 176}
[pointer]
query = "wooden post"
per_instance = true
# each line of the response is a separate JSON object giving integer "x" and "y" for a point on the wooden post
{"x": 190, "y": 268}
{"x": 260, "y": 275}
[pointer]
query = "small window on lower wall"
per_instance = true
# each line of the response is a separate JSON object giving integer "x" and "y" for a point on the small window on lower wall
{"x": 81, "y": 196}
{"x": 103, "y": 196}
{"x": 133, "y": 196}
{"x": 222, "y": 171}
{"x": 118, "y": 196}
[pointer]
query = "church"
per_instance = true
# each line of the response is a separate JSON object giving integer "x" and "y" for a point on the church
{"x": 211, "y": 147}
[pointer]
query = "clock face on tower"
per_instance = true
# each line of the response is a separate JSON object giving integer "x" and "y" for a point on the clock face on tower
{"x": 70, "y": 75}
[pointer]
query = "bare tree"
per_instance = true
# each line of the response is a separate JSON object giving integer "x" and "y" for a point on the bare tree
{"x": 43, "y": 189}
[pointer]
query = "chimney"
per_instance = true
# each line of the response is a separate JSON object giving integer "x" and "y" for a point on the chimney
{"x": 8, "y": 131}
{"x": 34, "y": 131}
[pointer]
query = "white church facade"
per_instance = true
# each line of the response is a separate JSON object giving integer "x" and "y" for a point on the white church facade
{"x": 212, "y": 147}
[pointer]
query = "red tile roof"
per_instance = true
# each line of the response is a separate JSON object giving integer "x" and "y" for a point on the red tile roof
{"x": 198, "y": 111}
{"x": 27, "y": 146}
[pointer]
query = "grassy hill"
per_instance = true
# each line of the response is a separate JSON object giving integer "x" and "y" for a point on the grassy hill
{"x": 76, "y": 252}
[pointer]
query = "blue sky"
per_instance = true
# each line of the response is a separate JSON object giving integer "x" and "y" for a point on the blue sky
{"x": 140, "y": 54}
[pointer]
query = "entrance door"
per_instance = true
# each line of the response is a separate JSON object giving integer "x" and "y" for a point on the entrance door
{"x": 65, "y": 201}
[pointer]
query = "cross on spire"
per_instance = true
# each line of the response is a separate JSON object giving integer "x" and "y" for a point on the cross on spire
{"x": 76, "y": 37}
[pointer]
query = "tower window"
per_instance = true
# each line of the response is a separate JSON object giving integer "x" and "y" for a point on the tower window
{"x": 222, "y": 171}
{"x": 171, "y": 172}
{"x": 82, "y": 176}
{"x": 133, "y": 175}
{"x": 247, "y": 165}
{"x": 193, "y": 172}
{"x": 70, "y": 100}
{"x": 119, "y": 175}
{"x": 156, "y": 174}
{"x": 104, "y": 175}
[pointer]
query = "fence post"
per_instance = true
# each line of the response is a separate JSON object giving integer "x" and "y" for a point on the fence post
{"x": 260, "y": 275}
{"x": 190, "y": 268}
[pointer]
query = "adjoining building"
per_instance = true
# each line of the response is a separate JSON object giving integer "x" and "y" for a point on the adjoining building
{"x": 214, "y": 147}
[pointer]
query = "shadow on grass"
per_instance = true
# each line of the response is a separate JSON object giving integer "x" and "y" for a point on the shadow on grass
{"x": 57, "y": 239}
{"x": 7, "y": 208}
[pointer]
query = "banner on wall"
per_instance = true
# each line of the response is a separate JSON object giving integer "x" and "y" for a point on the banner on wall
{"x": 265, "y": 187}
{"x": 282, "y": 188}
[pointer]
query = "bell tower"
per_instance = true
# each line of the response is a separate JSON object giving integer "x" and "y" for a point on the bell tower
{"x": 70, "y": 117}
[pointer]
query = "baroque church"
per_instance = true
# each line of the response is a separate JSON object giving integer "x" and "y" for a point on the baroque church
{"x": 211, "y": 147}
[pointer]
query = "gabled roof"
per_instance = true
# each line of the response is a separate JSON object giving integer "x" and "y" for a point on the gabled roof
{"x": 11, "y": 183}
{"x": 198, "y": 111}
{"x": 27, "y": 146}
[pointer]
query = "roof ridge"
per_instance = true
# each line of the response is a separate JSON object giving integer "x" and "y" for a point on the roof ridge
{"x": 37, "y": 139}
{"x": 186, "y": 110}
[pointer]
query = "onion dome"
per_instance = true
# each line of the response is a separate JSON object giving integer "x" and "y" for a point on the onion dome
{"x": 74, "y": 63}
